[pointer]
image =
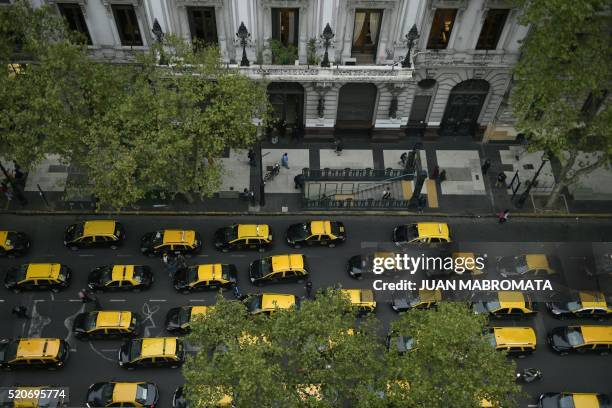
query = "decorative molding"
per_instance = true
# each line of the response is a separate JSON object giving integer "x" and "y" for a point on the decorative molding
{"x": 453, "y": 4}
{"x": 109, "y": 3}
{"x": 199, "y": 3}
{"x": 498, "y": 4}
{"x": 370, "y": 4}
{"x": 269, "y": 4}
{"x": 81, "y": 3}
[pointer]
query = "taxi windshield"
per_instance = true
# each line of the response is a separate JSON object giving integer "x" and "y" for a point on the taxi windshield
{"x": 75, "y": 231}
{"x": 574, "y": 337}
{"x": 521, "y": 264}
{"x": 11, "y": 237}
{"x": 192, "y": 274}
{"x": 255, "y": 304}
{"x": 492, "y": 305}
{"x": 491, "y": 338}
{"x": 301, "y": 231}
{"x": 264, "y": 266}
{"x": 107, "y": 394}
{"x": 231, "y": 233}
{"x": 184, "y": 315}
{"x": 11, "y": 351}
{"x": 135, "y": 348}
{"x": 566, "y": 401}
{"x": 20, "y": 273}
{"x": 574, "y": 305}
{"x": 90, "y": 321}
{"x": 141, "y": 394}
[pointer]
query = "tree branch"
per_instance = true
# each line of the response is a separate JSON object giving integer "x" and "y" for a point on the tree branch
{"x": 585, "y": 170}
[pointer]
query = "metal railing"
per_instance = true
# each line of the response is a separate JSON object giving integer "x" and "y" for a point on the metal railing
{"x": 371, "y": 203}
{"x": 348, "y": 174}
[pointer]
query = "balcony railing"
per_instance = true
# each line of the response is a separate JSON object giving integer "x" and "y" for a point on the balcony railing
{"x": 393, "y": 73}
{"x": 350, "y": 204}
{"x": 465, "y": 58}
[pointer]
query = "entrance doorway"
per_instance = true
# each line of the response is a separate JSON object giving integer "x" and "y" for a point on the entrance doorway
{"x": 287, "y": 99}
{"x": 356, "y": 106}
{"x": 463, "y": 108}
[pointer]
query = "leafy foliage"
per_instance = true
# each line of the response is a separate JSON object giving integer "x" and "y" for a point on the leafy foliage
{"x": 273, "y": 360}
{"x": 313, "y": 58}
{"x": 131, "y": 129}
{"x": 283, "y": 55}
{"x": 561, "y": 97}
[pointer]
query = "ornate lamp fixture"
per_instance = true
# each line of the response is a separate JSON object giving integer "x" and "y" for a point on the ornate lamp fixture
{"x": 244, "y": 35}
{"x": 327, "y": 36}
{"x": 411, "y": 37}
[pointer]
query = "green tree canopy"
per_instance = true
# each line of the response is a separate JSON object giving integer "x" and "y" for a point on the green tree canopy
{"x": 274, "y": 360}
{"x": 130, "y": 129}
{"x": 561, "y": 97}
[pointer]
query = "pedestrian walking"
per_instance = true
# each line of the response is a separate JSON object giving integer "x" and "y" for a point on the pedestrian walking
{"x": 338, "y": 146}
{"x": 285, "y": 160}
{"x": 252, "y": 197}
{"x": 501, "y": 180}
{"x": 299, "y": 181}
{"x": 181, "y": 262}
{"x": 165, "y": 258}
{"x": 21, "y": 312}
{"x": 403, "y": 159}
{"x": 86, "y": 297}
{"x": 171, "y": 266}
{"x": 485, "y": 167}
{"x": 386, "y": 194}
{"x": 251, "y": 156}
{"x": 308, "y": 289}
{"x": 442, "y": 176}
{"x": 435, "y": 173}
{"x": 95, "y": 300}
{"x": 503, "y": 216}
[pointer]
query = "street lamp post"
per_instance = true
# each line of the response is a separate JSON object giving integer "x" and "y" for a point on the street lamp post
{"x": 244, "y": 35}
{"x": 327, "y": 36}
{"x": 411, "y": 37}
{"x": 520, "y": 202}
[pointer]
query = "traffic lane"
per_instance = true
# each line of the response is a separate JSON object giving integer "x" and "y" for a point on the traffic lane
{"x": 368, "y": 228}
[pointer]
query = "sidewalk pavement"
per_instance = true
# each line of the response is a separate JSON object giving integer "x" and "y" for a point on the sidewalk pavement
{"x": 466, "y": 190}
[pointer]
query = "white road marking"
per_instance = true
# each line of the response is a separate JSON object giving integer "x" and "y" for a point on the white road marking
{"x": 117, "y": 300}
{"x": 84, "y": 255}
{"x": 108, "y": 350}
{"x": 114, "y": 360}
{"x": 237, "y": 256}
{"x": 39, "y": 300}
{"x": 123, "y": 255}
{"x": 202, "y": 256}
{"x": 37, "y": 321}
{"x": 1, "y": 300}
{"x": 73, "y": 350}
{"x": 74, "y": 300}
{"x": 196, "y": 300}
{"x": 157, "y": 300}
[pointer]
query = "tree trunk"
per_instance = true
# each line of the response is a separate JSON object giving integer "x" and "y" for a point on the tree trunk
{"x": 563, "y": 181}
{"x": 189, "y": 197}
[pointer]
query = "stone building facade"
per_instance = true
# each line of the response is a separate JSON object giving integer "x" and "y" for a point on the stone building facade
{"x": 455, "y": 85}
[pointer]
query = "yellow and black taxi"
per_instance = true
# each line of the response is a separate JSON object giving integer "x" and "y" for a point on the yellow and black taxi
{"x": 152, "y": 352}
{"x": 35, "y": 276}
{"x": 360, "y": 266}
{"x": 243, "y": 237}
{"x": 94, "y": 234}
{"x": 13, "y": 244}
{"x": 33, "y": 352}
{"x": 423, "y": 299}
{"x": 122, "y": 394}
{"x": 529, "y": 265}
{"x": 41, "y": 396}
{"x": 581, "y": 304}
{"x": 178, "y": 319}
{"x": 400, "y": 343}
{"x": 516, "y": 341}
{"x": 581, "y": 339}
{"x": 171, "y": 241}
{"x": 422, "y": 233}
{"x": 106, "y": 324}
{"x": 574, "y": 400}
{"x": 506, "y": 304}
{"x": 205, "y": 277}
{"x": 362, "y": 300}
{"x": 267, "y": 303}
{"x": 318, "y": 233}
{"x": 109, "y": 278}
{"x": 278, "y": 268}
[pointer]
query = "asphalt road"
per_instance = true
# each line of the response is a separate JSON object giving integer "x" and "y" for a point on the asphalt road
{"x": 95, "y": 361}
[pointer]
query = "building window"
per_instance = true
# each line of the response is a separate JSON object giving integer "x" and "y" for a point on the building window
{"x": 285, "y": 25}
{"x": 75, "y": 19}
{"x": 492, "y": 29}
{"x": 127, "y": 25}
{"x": 441, "y": 28}
{"x": 365, "y": 34}
{"x": 203, "y": 25}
